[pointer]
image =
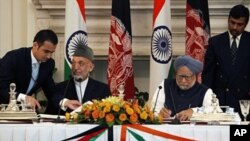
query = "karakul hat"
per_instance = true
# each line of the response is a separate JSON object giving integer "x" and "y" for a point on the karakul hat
{"x": 84, "y": 51}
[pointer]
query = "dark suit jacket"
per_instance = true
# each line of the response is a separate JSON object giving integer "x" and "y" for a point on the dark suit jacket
{"x": 15, "y": 67}
{"x": 230, "y": 83}
{"x": 94, "y": 90}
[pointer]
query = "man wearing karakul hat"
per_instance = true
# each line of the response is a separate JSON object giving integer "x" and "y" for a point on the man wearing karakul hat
{"x": 184, "y": 91}
{"x": 82, "y": 87}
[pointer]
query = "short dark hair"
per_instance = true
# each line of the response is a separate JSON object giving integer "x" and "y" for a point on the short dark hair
{"x": 46, "y": 35}
{"x": 239, "y": 11}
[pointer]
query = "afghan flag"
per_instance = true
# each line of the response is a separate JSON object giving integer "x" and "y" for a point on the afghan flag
{"x": 197, "y": 28}
{"x": 161, "y": 44}
{"x": 75, "y": 31}
{"x": 120, "y": 66}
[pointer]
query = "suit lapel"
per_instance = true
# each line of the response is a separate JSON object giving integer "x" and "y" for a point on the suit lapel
{"x": 71, "y": 93}
{"x": 241, "y": 56}
{"x": 225, "y": 53}
{"x": 29, "y": 70}
{"x": 88, "y": 91}
{"x": 242, "y": 51}
{"x": 40, "y": 72}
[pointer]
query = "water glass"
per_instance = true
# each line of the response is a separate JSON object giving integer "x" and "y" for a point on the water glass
{"x": 244, "y": 106}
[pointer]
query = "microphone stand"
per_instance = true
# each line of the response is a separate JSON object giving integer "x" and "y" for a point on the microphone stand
{"x": 157, "y": 97}
{"x": 58, "y": 119}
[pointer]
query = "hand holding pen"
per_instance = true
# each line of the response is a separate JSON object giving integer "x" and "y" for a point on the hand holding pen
{"x": 165, "y": 112}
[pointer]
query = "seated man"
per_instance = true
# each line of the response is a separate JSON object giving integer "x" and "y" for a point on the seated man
{"x": 82, "y": 87}
{"x": 181, "y": 96}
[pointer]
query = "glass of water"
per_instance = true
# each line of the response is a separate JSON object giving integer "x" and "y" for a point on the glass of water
{"x": 244, "y": 106}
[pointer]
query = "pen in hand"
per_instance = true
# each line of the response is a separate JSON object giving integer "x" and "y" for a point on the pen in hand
{"x": 165, "y": 106}
{"x": 175, "y": 120}
{"x": 166, "y": 112}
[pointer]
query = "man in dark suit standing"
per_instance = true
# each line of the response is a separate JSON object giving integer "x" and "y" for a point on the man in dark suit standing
{"x": 227, "y": 60}
{"x": 82, "y": 87}
{"x": 30, "y": 69}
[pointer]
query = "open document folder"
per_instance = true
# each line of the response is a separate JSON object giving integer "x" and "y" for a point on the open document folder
{"x": 77, "y": 110}
{"x": 47, "y": 116}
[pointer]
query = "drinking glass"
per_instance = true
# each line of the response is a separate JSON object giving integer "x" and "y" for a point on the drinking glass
{"x": 2, "y": 108}
{"x": 26, "y": 106}
{"x": 244, "y": 106}
{"x": 121, "y": 90}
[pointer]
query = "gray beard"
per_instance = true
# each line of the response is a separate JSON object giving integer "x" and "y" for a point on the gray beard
{"x": 78, "y": 78}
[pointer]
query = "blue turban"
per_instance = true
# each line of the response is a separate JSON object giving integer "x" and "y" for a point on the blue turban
{"x": 194, "y": 65}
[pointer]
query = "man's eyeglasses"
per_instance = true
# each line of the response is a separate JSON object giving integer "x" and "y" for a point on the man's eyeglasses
{"x": 186, "y": 77}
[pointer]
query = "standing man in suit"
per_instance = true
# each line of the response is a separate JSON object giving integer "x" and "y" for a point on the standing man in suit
{"x": 31, "y": 69}
{"x": 82, "y": 87}
{"x": 227, "y": 60}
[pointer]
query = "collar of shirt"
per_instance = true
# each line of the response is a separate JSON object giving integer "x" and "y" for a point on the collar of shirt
{"x": 80, "y": 88}
{"x": 237, "y": 39}
{"x": 33, "y": 59}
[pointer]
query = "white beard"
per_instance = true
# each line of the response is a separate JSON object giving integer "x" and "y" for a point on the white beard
{"x": 78, "y": 78}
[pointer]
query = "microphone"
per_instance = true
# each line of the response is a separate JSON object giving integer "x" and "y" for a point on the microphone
{"x": 175, "y": 120}
{"x": 157, "y": 97}
{"x": 58, "y": 119}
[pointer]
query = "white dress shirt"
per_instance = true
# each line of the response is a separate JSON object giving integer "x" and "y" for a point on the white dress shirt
{"x": 237, "y": 39}
{"x": 80, "y": 88}
{"x": 21, "y": 96}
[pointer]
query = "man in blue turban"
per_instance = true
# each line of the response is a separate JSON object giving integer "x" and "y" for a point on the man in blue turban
{"x": 182, "y": 96}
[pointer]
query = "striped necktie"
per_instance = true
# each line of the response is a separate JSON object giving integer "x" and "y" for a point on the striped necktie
{"x": 234, "y": 50}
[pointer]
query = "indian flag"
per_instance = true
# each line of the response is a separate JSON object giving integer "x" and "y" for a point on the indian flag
{"x": 75, "y": 31}
{"x": 161, "y": 44}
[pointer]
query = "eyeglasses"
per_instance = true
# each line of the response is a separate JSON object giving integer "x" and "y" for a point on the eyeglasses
{"x": 186, "y": 77}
